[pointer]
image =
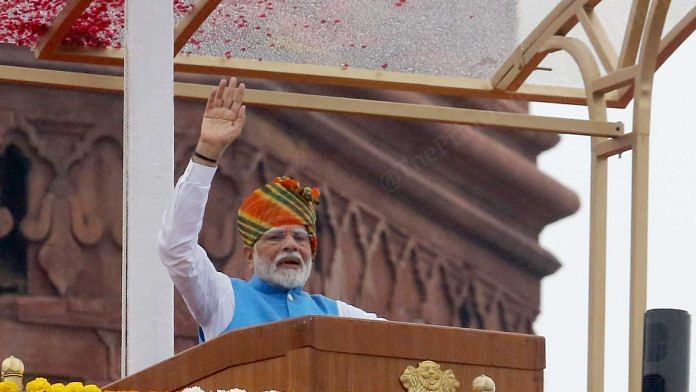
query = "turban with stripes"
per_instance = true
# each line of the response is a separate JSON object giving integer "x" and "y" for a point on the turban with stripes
{"x": 282, "y": 202}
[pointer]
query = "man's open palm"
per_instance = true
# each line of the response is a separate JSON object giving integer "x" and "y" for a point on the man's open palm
{"x": 224, "y": 115}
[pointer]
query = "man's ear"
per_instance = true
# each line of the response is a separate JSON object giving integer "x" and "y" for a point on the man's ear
{"x": 249, "y": 254}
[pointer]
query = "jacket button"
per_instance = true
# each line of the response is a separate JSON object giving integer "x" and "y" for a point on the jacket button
{"x": 290, "y": 298}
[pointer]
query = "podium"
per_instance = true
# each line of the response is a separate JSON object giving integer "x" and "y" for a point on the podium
{"x": 325, "y": 354}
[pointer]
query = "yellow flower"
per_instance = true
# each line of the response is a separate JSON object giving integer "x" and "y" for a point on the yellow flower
{"x": 75, "y": 387}
{"x": 90, "y": 388}
{"x": 38, "y": 385}
{"x": 8, "y": 386}
{"x": 57, "y": 387}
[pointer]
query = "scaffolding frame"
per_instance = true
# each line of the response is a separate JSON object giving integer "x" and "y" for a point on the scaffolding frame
{"x": 629, "y": 76}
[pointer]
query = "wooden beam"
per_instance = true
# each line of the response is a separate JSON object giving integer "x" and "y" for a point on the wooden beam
{"x": 515, "y": 60}
{"x": 352, "y": 77}
{"x": 550, "y": 94}
{"x": 526, "y": 57}
{"x": 596, "y": 285}
{"x": 668, "y": 45}
{"x": 192, "y": 21}
{"x": 60, "y": 79}
{"x": 615, "y": 80}
{"x": 634, "y": 30}
{"x": 320, "y": 74}
{"x": 676, "y": 36}
{"x": 631, "y": 43}
{"x": 59, "y": 28}
{"x": 642, "y": 108}
{"x": 614, "y": 146}
{"x": 599, "y": 38}
{"x": 514, "y": 121}
{"x": 581, "y": 55}
{"x": 406, "y": 111}
{"x": 87, "y": 55}
{"x": 599, "y": 179}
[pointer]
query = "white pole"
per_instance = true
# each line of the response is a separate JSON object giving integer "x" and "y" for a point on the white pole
{"x": 148, "y": 172}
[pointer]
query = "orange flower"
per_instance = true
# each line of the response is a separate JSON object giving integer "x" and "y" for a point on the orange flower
{"x": 288, "y": 183}
{"x": 315, "y": 194}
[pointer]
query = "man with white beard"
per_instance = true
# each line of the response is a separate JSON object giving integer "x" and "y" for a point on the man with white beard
{"x": 277, "y": 223}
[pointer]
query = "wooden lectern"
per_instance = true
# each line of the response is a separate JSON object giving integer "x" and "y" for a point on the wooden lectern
{"x": 325, "y": 354}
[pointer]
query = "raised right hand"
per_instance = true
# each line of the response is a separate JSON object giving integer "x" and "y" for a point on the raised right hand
{"x": 223, "y": 119}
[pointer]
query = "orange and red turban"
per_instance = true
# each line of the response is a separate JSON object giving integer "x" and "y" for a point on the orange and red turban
{"x": 282, "y": 202}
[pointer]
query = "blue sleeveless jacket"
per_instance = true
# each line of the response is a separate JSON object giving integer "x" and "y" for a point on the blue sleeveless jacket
{"x": 257, "y": 302}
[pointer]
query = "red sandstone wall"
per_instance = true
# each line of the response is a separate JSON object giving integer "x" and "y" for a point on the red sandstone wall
{"x": 418, "y": 222}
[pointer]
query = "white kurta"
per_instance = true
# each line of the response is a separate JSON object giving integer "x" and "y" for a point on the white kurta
{"x": 207, "y": 292}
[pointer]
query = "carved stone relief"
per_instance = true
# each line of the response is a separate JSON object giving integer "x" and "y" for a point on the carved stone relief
{"x": 73, "y": 218}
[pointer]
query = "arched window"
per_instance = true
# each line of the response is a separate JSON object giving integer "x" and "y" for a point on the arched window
{"x": 14, "y": 168}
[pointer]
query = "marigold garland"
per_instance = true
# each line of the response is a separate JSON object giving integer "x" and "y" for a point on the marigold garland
{"x": 199, "y": 389}
{"x": 42, "y": 385}
{"x": 8, "y": 386}
{"x": 38, "y": 385}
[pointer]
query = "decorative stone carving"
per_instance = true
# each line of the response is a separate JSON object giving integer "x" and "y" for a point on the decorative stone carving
{"x": 74, "y": 195}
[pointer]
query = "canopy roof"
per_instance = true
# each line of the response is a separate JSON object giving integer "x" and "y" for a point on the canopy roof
{"x": 461, "y": 48}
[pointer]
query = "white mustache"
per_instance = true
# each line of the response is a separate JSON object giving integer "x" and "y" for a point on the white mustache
{"x": 294, "y": 256}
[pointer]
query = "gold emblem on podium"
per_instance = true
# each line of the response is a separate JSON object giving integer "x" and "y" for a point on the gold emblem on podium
{"x": 428, "y": 377}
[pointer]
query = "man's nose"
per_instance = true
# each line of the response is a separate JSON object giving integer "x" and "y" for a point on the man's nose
{"x": 289, "y": 244}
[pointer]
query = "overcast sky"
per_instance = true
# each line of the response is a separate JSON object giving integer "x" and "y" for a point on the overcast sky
{"x": 672, "y": 230}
